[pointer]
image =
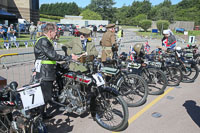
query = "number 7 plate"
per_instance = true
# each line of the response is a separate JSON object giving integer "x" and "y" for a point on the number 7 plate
{"x": 32, "y": 98}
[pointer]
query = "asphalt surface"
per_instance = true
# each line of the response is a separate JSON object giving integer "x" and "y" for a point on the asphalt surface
{"x": 178, "y": 109}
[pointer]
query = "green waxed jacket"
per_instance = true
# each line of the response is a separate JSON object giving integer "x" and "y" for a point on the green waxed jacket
{"x": 75, "y": 47}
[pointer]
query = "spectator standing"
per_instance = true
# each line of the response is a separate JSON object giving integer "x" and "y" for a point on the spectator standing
{"x": 119, "y": 35}
{"x": 43, "y": 26}
{"x": 2, "y": 32}
{"x": 91, "y": 30}
{"x": 39, "y": 29}
{"x": 32, "y": 30}
{"x": 11, "y": 34}
{"x": 95, "y": 31}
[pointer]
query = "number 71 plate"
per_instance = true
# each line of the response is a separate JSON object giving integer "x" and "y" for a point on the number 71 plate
{"x": 32, "y": 98}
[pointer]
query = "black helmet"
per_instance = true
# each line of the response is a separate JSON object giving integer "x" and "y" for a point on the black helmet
{"x": 13, "y": 85}
{"x": 123, "y": 56}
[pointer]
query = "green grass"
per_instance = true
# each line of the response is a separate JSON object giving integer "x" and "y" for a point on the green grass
{"x": 26, "y": 37}
{"x": 194, "y": 33}
{"x": 129, "y": 27}
{"x": 149, "y": 34}
{"x": 158, "y": 36}
{"x": 48, "y": 20}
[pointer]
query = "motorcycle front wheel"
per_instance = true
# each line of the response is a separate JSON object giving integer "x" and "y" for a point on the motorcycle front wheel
{"x": 111, "y": 111}
{"x": 174, "y": 76}
{"x": 189, "y": 73}
{"x": 156, "y": 80}
{"x": 133, "y": 89}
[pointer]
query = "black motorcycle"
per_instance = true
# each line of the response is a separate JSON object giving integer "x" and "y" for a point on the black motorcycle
{"x": 19, "y": 110}
{"x": 155, "y": 78}
{"x": 168, "y": 64}
{"x": 188, "y": 65}
{"x": 132, "y": 87}
{"x": 87, "y": 93}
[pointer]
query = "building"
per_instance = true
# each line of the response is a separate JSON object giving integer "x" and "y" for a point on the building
{"x": 26, "y": 9}
{"x": 79, "y": 22}
{"x": 187, "y": 25}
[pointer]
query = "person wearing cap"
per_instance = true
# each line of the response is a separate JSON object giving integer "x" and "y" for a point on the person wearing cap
{"x": 45, "y": 61}
{"x": 169, "y": 40}
{"x": 2, "y": 32}
{"x": 32, "y": 30}
{"x": 82, "y": 45}
{"x": 108, "y": 42}
{"x": 11, "y": 34}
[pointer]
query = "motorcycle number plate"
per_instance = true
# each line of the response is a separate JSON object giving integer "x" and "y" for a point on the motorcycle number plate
{"x": 99, "y": 79}
{"x": 134, "y": 65}
{"x": 156, "y": 64}
{"x": 32, "y": 98}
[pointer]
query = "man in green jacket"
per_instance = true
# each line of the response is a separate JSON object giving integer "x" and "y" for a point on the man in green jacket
{"x": 80, "y": 46}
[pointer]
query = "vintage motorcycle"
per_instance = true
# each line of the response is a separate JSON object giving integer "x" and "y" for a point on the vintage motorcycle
{"x": 19, "y": 109}
{"x": 132, "y": 87}
{"x": 86, "y": 92}
{"x": 167, "y": 64}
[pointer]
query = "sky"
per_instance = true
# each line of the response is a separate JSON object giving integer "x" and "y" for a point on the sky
{"x": 119, "y": 3}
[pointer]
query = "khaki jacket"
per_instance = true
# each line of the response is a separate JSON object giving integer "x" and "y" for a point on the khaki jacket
{"x": 107, "y": 41}
{"x": 75, "y": 47}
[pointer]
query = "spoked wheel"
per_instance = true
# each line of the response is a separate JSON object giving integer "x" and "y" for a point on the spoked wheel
{"x": 174, "y": 76}
{"x": 198, "y": 61}
{"x": 133, "y": 89}
{"x": 4, "y": 124}
{"x": 111, "y": 112}
{"x": 190, "y": 73}
{"x": 156, "y": 80}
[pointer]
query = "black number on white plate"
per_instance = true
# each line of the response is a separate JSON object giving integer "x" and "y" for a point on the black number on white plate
{"x": 33, "y": 97}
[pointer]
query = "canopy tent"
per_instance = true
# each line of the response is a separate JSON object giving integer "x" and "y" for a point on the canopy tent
{"x": 7, "y": 15}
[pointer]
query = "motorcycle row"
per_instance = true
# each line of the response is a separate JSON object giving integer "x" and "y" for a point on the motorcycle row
{"x": 105, "y": 90}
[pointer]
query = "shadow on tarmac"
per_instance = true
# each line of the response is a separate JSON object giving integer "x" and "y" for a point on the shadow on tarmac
{"x": 193, "y": 110}
{"x": 62, "y": 124}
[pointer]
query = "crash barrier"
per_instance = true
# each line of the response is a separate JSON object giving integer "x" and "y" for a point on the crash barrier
{"x": 18, "y": 66}
{"x": 7, "y": 44}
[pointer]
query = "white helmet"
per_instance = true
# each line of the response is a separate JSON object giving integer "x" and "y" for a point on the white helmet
{"x": 178, "y": 48}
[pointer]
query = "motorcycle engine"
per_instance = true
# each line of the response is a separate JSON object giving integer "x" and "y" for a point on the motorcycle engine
{"x": 72, "y": 96}
{"x": 18, "y": 123}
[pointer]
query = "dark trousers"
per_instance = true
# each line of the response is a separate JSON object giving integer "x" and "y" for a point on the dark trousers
{"x": 47, "y": 87}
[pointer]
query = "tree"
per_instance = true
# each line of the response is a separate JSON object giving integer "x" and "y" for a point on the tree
{"x": 162, "y": 25}
{"x": 60, "y": 9}
{"x": 163, "y": 11}
{"x": 122, "y": 15}
{"x": 140, "y": 8}
{"x": 88, "y": 14}
{"x": 145, "y": 24}
{"x": 103, "y": 7}
{"x": 136, "y": 20}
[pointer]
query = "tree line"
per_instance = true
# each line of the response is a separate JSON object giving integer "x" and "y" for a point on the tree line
{"x": 186, "y": 10}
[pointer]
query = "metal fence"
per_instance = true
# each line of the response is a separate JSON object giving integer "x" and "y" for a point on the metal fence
{"x": 18, "y": 67}
{"x": 7, "y": 44}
